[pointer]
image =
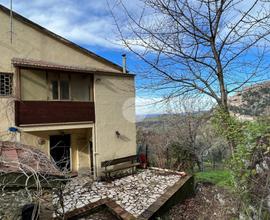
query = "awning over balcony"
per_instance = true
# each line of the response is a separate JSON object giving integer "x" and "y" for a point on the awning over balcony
{"x": 38, "y": 64}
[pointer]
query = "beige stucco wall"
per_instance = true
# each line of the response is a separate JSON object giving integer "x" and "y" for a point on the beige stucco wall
{"x": 6, "y": 119}
{"x": 115, "y": 111}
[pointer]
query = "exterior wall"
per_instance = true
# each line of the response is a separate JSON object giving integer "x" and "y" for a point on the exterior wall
{"x": 7, "y": 119}
{"x": 115, "y": 111}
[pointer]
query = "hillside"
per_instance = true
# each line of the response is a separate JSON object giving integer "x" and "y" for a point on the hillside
{"x": 252, "y": 101}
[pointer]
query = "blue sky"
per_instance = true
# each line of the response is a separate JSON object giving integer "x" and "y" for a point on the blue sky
{"x": 89, "y": 24}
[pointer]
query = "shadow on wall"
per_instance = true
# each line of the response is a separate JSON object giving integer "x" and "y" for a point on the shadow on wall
{"x": 124, "y": 138}
{"x": 108, "y": 84}
{"x": 126, "y": 87}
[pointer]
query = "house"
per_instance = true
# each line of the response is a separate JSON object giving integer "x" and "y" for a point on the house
{"x": 72, "y": 104}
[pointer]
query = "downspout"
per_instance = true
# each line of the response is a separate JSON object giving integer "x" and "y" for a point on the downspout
{"x": 94, "y": 133}
{"x": 95, "y": 152}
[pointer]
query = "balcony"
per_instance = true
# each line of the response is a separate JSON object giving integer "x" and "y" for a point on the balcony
{"x": 47, "y": 112}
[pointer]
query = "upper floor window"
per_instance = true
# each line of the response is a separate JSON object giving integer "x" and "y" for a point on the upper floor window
{"x": 5, "y": 84}
{"x": 60, "y": 89}
{"x": 64, "y": 90}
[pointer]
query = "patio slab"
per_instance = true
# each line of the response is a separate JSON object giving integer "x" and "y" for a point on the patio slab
{"x": 135, "y": 193}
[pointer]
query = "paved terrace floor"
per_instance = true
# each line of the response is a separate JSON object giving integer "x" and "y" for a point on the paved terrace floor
{"x": 134, "y": 193}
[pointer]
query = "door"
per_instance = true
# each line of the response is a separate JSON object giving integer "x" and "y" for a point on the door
{"x": 60, "y": 151}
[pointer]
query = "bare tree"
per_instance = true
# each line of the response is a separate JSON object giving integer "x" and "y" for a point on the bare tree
{"x": 29, "y": 177}
{"x": 188, "y": 124}
{"x": 202, "y": 46}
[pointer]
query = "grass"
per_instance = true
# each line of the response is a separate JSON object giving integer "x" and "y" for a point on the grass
{"x": 220, "y": 178}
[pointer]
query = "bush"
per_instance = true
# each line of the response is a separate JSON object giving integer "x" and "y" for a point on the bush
{"x": 249, "y": 163}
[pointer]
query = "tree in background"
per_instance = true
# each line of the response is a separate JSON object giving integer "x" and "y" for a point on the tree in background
{"x": 184, "y": 137}
{"x": 188, "y": 121}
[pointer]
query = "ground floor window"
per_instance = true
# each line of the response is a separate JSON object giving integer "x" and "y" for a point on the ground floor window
{"x": 5, "y": 84}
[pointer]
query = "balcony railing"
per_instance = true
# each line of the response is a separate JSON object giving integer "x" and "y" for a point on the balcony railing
{"x": 45, "y": 112}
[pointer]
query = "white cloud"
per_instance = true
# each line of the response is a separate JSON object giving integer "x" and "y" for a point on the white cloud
{"x": 84, "y": 22}
{"x": 147, "y": 105}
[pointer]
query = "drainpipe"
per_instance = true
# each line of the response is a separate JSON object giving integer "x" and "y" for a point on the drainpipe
{"x": 124, "y": 63}
{"x": 95, "y": 152}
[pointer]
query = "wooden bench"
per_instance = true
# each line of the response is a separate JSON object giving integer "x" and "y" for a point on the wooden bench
{"x": 119, "y": 164}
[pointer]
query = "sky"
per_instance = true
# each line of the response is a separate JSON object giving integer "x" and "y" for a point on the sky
{"x": 89, "y": 24}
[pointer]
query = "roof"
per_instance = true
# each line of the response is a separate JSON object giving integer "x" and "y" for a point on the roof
{"x": 19, "y": 158}
{"x": 38, "y": 64}
{"x": 59, "y": 38}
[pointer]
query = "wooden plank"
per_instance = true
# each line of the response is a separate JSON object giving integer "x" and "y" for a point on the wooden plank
{"x": 122, "y": 167}
{"x": 118, "y": 160}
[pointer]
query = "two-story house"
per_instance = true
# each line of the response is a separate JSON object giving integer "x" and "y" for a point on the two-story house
{"x": 69, "y": 102}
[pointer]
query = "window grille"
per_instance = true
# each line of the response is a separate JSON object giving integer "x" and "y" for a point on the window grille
{"x": 5, "y": 84}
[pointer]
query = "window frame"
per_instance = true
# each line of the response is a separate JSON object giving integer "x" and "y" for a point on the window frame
{"x": 58, "y": 80}
{"x": 11, "y": 84}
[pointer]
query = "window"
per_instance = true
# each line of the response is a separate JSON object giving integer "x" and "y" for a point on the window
{"x": 55, "y": 89}
{"x": 5, "y": 84}
{"x": 62, "y": 88}
{"x": 69, "y": 87}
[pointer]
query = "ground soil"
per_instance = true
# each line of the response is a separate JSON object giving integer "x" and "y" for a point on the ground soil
{"x": 209, "y": 203}
{"x": 100, "y": 215}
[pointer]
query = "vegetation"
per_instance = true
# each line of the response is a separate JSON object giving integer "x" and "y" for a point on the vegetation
{"x": 250, "y": 162}
{"x": 246, "y": 171}
{"x": 222, "y": 178}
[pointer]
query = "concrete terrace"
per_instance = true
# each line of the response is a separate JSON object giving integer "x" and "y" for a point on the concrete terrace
{"x": 133, "y": 195}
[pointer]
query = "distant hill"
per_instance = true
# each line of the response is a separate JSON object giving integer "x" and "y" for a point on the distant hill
{"x": 143, "y": 117}
{"x": 157, "y": 122}
{"x": 160, "y": 122}
{"x": 252, "y": 101}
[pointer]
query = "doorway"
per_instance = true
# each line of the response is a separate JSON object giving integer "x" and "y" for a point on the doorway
{"x": 60, "y": 151}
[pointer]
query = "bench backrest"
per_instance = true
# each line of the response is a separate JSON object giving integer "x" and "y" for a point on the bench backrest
{"x": 118, "y": 160}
